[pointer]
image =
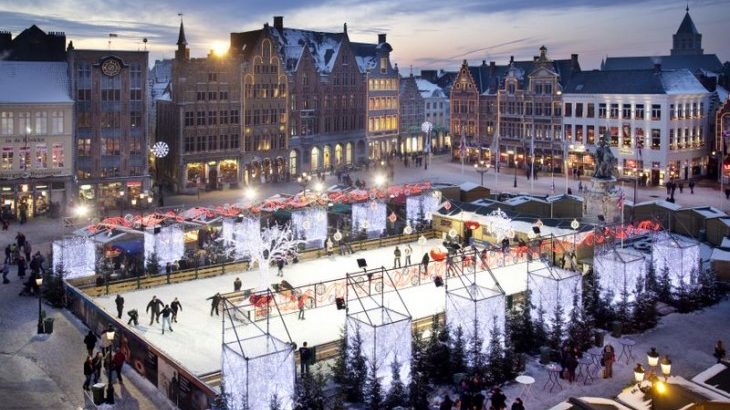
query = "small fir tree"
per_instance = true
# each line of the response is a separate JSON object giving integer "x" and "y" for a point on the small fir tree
{"x": 540, "y": 328}
{"x": 556, "y": 330}
{"x": 477, "y": 358}
{"x": 512, "y": 362}
{"x": 439, "y": 354}
{"x": 664, "y": 287}
{"x": 579, "y": 329}
{"x": 339, "y": 369}
{"x": 458, "y": 352}
{"x": 373, "y": 389}
{"x": 275, "y": 403}
{"x": 418, "y": 388}
{"x": 495, "y": 359}
{"x": 708, "y": 292}
{"x": 53, "y": 290}
{"x": 153, "y": 264}
{"x": 357, "y": 371}
{"x": 310, "y": 392}
{"x": 397, "y": 394}
{"x": 652, "y": 284}
{"x": 623, "y": 310}
{"x": 644, "y": 313}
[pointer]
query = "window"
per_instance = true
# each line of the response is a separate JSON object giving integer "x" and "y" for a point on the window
{"x": 656, "y": 112}
{"x": 212, "y": 77}
{"x": 614, "y": 111}
{"x": 189, "y": 144}
{"x": 695, "y": 110}
{"x": 578, "y": 110}
{"x": 84, "y": 147}
{"x": 212, "y": 95}
{"x": 639, "y": 132}
{"x": 135, "y": 82}
{"x": 135, "y": 144}
{"x": 614, "y": 137}
{"x": 548, "y": 89}
{"x": 224, "y": 117}
{"x": 626, "y": 135}
{"x": 41, "y": 156}
{"x": 579, "y": 134}
{"x": 568, "y": 132}
{"x": 213, "y": 143}
{"x": 110, "y": 119}
{"x": 591, "y": 134}
{"x": 234, "y": 117}
{"x": 223, "y": 95}
{"x": 672, "y": 112}
{"x": 200, "y": 146}
{"x": 702, "y": 110}
{"x": 111, "y": 88}
{"x": 57, "y": 122}
{"x": 590, "y": 110}
{"x": 626, "y": 111}
{"x": 135, "y": 119}
{"x": 110, "y": 146}
{"x": 538, "y": 88}
{"x": 568, "y": 109}
{"x": 235, "y": 141}
{"x": 6, "y": 123}
{"x": 212, "y": 117}
{"x": 40, "y": 126}
{"x": 189, "y": 118}
{"x": 383, "y": 65}
{"x": 24, "y": 158}
{"x": 656, "y": 140}
{"x": 7, "y": 158}
{"x": 511, "y": 88}
{"x": 201, "y": 96}
{"x": 201, "y": 118}
{"x": 639, "y": 111}
{"x": 601, "y": 110}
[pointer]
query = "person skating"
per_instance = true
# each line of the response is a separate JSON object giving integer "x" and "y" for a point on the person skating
{"x": 168, "y": 268}
{"x": 175, "y": 306}
{"x": 90, "y": 342}
{"x": 117, "y": 364}
{"x": 133, "y": 317}
{"x": 155, "y": 305}
{"x": 215, "y": 301}
{"x": 119, "y": 301}
{"x": 97, "y": 362}
{"x": 305, "y": 356}
{"x": 396, "y": 257}
{"x": 280, "y": 266}
{"x": 6, "y": 271}
{"x": 88, "y": 371}
{"x": 607, "y": 360}
{"x": 237, "y": 285}
{"x": 408, "y": 251}
{"x": 691, "y": 186}
{"x": 424, "y": 262}
{"x": 719, "y": 351}
{"x": 166, "y": 312}
{"x": 300, "y": 304}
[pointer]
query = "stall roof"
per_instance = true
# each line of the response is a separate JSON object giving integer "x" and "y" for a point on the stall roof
{"x": 130, "y": 246}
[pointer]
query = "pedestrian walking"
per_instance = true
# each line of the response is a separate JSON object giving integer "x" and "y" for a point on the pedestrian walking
{"x": 215, "y": 301}
{"x": 168, "y": 269}
{"x": 8, "y": 259}
{"x": 280, "y": 266}
{"x": 133, "y": 317}
{"x": 21, "y": 267}
{"x": 27, "y": 248}
{"x": 518, "y": 405}
{"x": 166, "y": 312}
{"x": 692, "y": 186}
{"x": 607, "y": 360}
{"x": 6, "y": 271}
{"x": 156, "y": 306}
{"x": 90, "y": 342}
{"x": 305, "y": 356}
{"x": 719, "y": 351}
{"x": 88, "y": 371}
{"x": 669, "y": 187}
{"x": 97, "y": 362}
{"x": 328, "y": 246}
{"x": 175, "y": 306}
{"x": 301, "y": 301}
{"x": 499, "y": 400}
{"x": 237, "y": 285}
{"x": 119, "y": 301}
{"x": 408, "y": 251}
{"x": 396, "y": 257}
{"x": 117, "y": 364}
{"x": 424, "y": 262}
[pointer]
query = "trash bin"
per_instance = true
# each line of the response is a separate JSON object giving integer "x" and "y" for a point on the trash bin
{"x": 97, "y": 393}
{"x": 48, "y": 325}
{"x": 598, "y": 336}
{"x": 616, "y": 329}
{"x": 544, "y": 354}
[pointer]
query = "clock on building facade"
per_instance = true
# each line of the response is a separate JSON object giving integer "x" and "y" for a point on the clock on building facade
{"x": 111, "y": 67}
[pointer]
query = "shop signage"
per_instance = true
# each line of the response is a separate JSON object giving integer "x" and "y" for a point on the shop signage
{"x": 35, "y": 173}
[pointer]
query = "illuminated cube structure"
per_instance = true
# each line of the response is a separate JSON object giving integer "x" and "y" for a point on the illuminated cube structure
{"x": 677, "y": 254}
{"x": 420, "y": 207}
{"x": 235, "y": 231}
{"x": 549, "y": 287}
{"x": 310, "y": 225}
{"x": 369, "y": 217}
{"x": 77, "y": 256}
{"x": 619, "y": 269}
{"x": 168, "y": 244}
{"x": 476, "y": 309}
{"x": 256, "y": 366}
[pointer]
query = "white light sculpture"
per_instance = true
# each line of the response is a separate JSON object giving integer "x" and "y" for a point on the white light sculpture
{"x": 550, "y": 287}
{"x": 678, "y": 254}
{"x": 476, "y": 310}
{"x": 373, "y": 215}
{"x": 77, "y": 255}
{"x": 386, "y": 337}
{"x": 499, "y": 225}
{"x": 618, "y": 269}
{"x": 169, "y": 244}
{"x": 234, "y": 233}
{"x": 266, "y": 246}
{"x": 421, "y": 207}
{"x": 310, "y": 224}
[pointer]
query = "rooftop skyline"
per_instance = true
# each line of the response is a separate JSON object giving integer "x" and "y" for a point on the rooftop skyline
{"x": 425, "y": 34}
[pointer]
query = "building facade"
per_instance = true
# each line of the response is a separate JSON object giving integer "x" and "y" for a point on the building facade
{"x": 110, "y": 125}
{"x": 36, "y": 119}
{"x": 383, "y": 90}
{"x": 655, "y": 121}
{"x": 412, "y": 115}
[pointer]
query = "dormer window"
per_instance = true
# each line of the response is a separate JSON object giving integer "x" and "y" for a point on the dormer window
{"x": 511, "y": 88}
{"x": 383, "y": 65}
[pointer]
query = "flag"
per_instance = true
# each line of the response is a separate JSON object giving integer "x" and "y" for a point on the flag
{"x": 113, "y": 35}
{"x": 620, "y": 200}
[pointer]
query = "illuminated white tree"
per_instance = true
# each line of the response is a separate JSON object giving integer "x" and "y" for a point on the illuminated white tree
{"x": 271, "y": 244}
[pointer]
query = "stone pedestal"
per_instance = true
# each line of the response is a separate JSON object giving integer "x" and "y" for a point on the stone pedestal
{"x": 601, "y": 199}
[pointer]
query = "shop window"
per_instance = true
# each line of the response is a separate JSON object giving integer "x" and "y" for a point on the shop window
{"x": 626, "y": 136}
{"x": 41, "y": 156}
{"x": 24, "y": 158}
{"x": 57, "y": 157}
{"x": 579, "y": 134}
{"x": 229, "y": 171}
{"x": 6, "y": 162}
{"x": 84, "y": 147}
{"x": 590, "y": 110}
{"x": 110, "y": 146}
{"x": 614, "y": 137}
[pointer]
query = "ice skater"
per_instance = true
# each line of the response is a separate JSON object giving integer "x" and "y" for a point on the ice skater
{"x": 215, "y": 301}
{"x": 408, "y": 251}
{"x": 280, "y": 266}
{"x": 175, "y": 306}
{"x": 237, "y": 285}
{"x": 396, "y": 257}
{"x": 424, "y": 262}
{"x": 156, "y": 305}
{"x": 119, "y": 301}
{"x": 166, "y": 311}
{"x": 301, "y": 301}
{"x": 133, "y": 317}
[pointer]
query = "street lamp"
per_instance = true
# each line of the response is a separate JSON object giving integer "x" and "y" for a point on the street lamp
{"x": 250, "y": 193}
{"x": 159, "y": 150}
{"x": 666, "y": 365}
{"x": 639, "y": 373}
{"x": 379, "y": 180}
{"x": 511, "y": 152}
{"x": 121, "y": 203}
{"x": 109, "y": 334}
{"x": 39, "y": 283}
{"x": 481, "y": 167}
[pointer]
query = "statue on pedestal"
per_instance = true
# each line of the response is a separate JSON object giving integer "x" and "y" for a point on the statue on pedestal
{"x": 605, "y": 161}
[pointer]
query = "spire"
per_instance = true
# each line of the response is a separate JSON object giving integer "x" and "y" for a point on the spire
{"x": 687, "y": 26}
{"x": 687, "y": 7}
{"x": 181, "y": 41}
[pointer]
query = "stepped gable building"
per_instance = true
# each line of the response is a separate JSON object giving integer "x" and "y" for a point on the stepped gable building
{"x": 505, "y": 107}
{"x": 436, "y": 101}
{"x": 33, "y": 44}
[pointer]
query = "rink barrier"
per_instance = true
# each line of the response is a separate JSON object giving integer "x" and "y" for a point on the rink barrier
{"x": 183, "y": 388}
{"x": 88, "y": 284}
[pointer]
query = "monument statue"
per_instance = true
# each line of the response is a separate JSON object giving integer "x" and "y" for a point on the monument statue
{"x": 605, "y": 161}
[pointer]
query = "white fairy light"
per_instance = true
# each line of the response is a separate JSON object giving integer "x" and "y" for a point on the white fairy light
{"x": 370, "y": 218}
{"x": 677, "y": 254}
{"x": 476, "y": 310}
{"x": 77, "y": 255}
{"x": 169, "y": 244}
{"x": 304, "y": 227}
{"x": 499, "y": 225}
{"x": 550, "y": 287}
{"x": 618, "y": 269}
{"x": 421, "y": 207}
{"x": 235, "y": 233}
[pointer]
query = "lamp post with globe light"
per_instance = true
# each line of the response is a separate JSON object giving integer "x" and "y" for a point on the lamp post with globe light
{"x": 304, "y": 180}
{"x": 160, "y": 151}
{"x": 39, "y": 284}
{"x": 109, "y": 335}
{"x": 481, "y": 167}
{"x": 426, "y": 127}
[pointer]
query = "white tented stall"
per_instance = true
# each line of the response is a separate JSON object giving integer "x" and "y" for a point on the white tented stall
{"x": 619, "y": 269}
{"x": 235, "y": 231}
{"x": 677, "y": 254}
{"x": 254, "y": 369}
{"x": 477, "y": 310}
{"x": 551, "y": 287}
{"x": 310, "y": 225}
{"x": 168, "y": 244}
{"x": 420, "y": 207}
{"x": 370, "y": 217}
{"x": 77, "y": 256}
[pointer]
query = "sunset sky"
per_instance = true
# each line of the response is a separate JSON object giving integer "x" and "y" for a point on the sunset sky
{"x": 424, "y": 34}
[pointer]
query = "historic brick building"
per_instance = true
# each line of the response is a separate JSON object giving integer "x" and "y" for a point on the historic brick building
{"x": 412, "y": 116}
{"x": 382, "y": 97}
{"x": 110, "y": 128}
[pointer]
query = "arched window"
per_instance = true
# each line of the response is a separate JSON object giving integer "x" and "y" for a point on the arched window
{"x": 348, "y": 153}
{"x": 314, "y": 163}
{"x": 326, "y": 157}
{"x": 338, "y": 155}
{"x": 293, "y": 162}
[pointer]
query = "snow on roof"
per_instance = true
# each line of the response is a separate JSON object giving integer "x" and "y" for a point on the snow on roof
{"x": 662, "y": 203}
{"x": 323, "y": 47}
{"x": 722, "y": 93}
{"x": 725, "y": 243}
{"x": 709, "y": 212}
{"x": 468, "y": 186}
{"x": 681, "y": 82}
{"x": 428, "y": 89}
{"x": 560, "y": 197}
{"x": 720, "y": 255}
{"x": 522, "y": 199}
{"x": 34, "y": 82}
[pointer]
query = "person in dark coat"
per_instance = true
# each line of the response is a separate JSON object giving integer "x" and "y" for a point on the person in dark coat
{"x": 117, "y": 364}
{"x": 571, "y": 363}
{"x": 88, "y": 372}
{"x": 168, "y": 268}
{"x": 90, "y": 342}
{"x": 215, "y": 301}
{"x": 133, "y": 317}
{"x": 97, "y": 362}
{"x": 156, "y": 306}
{"x": 166, "y": 312}
{"x": 21, "y": 267}
{"x": 280, "y": 266}
{"x": 237, "y": 285}
{"x": 305, "y": 356}
{"x": 396, "y": 257}
{"x": 6, "y": 271}
{"x": 719, "y": 351}
{"x": 119, "y": 301}
{"x": 691, "y": 186}
{"x": 518, "y": 405}
{"x": 424, "y": 262}
{"x": 7, "y": 254}
{"x": 446, "y": 403}
{"x": 499, "y": 400}
{"x": 175, "y": 306}
{"x": 27, "y": 248}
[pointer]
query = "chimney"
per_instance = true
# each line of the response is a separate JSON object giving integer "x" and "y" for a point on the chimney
{"x": 279, "y": 22}
{"x": 344, "y": 28}
{"x": 574, "y": 62}
{"x": 657, "y": 67}
{"x": 381, "y": 38}
{"x": 492, "y": 67}
{"x": 511, "y": 59}
{"x": 484, "y": 62}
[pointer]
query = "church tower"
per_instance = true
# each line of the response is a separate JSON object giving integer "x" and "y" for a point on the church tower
{"x": 182, "y": 52}
{"x": 687, "y": 41}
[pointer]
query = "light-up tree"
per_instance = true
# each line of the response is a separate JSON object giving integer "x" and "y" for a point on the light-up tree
{"x": 273, "y": 243}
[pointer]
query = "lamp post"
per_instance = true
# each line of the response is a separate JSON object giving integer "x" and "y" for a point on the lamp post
{"x": 121, "y": 202}
{"x": 511, "y": 152}
{"x": 514, "y": 184}
{"x": 39, "y": 284}
{"x": 109, "y": 334}
{"x": 666, "y": 366}
{"x": 574, "y": 225}
{"x": 652, "y": 358}
{"x": 481, "y": 167}
{"x": 159, "y": 150}
{"x": 303, "y": 180}
{"x": 639, "y": 374}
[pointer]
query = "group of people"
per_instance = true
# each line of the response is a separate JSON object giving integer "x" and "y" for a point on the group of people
{"x": 471, "y": 396}
{"x": 672, "y": 185}
{"x": 20, "y": 253}
{"x": 155, "y": 308}
{"x": 407, "y": 251}
{"x": 105, "y": 356}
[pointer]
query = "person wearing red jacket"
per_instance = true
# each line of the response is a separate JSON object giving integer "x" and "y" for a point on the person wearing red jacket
{"x": 117, "y": 364}
{"x": 300, "y": 304}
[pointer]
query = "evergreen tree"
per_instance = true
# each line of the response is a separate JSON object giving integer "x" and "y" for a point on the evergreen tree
{"x": 708, "y": 292}
{"x": 591, "y": 293}
{"x": 438, "y": 354}
{"x": 275, "y": 403}
{"x": 644, "y": 313}
{"x": 540, "y": 328}
{"x": 53, "y": 290}
{"x": 310, "y": 392}
{"x": 664, "y": 287}
{"x": 458, "y": 352}
{"x": 579, "y": 329}
{"x": 520, "y": 329}
{"x": 495, "y": 359}
{"x": 623, "y": 309}
{"x": 512, "y": 362}
{"x": 477, "y": 358}
{"x": 556, "y": 331}
{"x": 418, "y": 388}
{"x": 397, "y": 393}
{"x": 652, "y": 284}
{"x": 153, "y": 264}
{"x": 339, "y": 369}
{"x": 357, "y": 371}
{"x": 373, "y": 389}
